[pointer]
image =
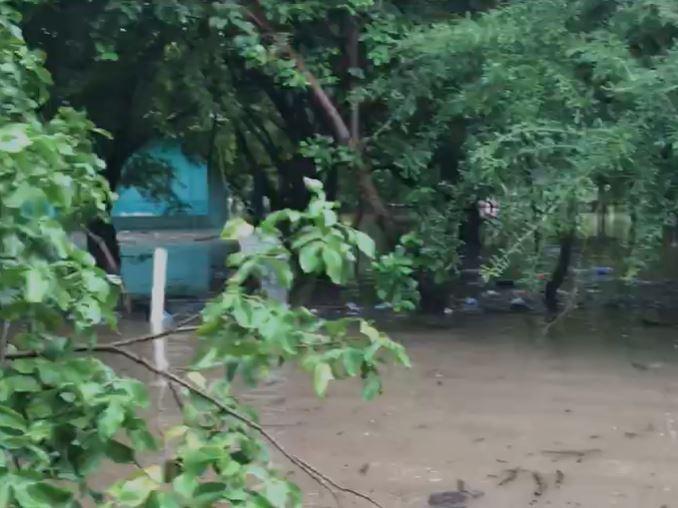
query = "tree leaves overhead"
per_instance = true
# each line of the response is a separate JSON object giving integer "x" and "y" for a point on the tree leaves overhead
{"x": 319, "y": 106}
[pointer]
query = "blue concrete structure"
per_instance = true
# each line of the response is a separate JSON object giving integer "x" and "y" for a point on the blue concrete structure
{"x": 201, "y": 192}
{"x": 145, "y": 224}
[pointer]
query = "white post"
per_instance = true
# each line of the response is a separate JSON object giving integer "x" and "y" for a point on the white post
{"x": 158, "y": 307}
{"x": 157, "y": 320}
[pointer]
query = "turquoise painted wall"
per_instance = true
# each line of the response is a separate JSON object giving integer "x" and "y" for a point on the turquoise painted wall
{"x": 190, "y": 185}
{"x": 203, "y": 196}
{"x": 188, "y": 269}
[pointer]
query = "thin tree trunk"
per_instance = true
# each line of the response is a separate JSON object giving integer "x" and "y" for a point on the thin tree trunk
{"x": 342, "y": 133}
{"x": 106, "y": 251}
{"x": 559, "y": 273}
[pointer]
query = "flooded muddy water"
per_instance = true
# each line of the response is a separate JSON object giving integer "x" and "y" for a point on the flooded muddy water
{"x": 586, "y": 416}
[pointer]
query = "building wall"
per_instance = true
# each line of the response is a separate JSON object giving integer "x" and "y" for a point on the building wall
{"x": 145, "y": 224}
{"x": 201, "y": 192}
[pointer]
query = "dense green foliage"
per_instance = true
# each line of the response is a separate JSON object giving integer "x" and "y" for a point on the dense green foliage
{"x": 313, "y": 107}
{"x": 583, "y": 108}
{"x": 65, "y": 414}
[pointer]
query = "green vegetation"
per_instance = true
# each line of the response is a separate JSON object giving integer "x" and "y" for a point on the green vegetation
{"x": 314, "y": 107}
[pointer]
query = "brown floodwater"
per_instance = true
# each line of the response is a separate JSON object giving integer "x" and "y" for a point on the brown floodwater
{"x": 586, "y": 416}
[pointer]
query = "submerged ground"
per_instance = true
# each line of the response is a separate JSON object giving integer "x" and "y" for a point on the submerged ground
{"x": 586, "y": 416}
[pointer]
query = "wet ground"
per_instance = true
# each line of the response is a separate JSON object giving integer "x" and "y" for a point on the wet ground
{"x": 586, "y": 416}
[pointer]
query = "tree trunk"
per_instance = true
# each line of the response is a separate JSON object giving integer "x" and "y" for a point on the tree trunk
{"x": 559, "y": 273}
{"x": 102, "y": 243}
{"x": 470, "y": 234}
{"x": 342, "y": 132}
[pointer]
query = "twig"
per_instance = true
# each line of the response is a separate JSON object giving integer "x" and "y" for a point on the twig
{"x": 118, "y": 348}
{"x": 572, "y": 298}
{"x": 511, "y": 475}
{"x": 112, "y": 263}
{"x": 324, "y": 480}
{"x": 175, "y": 396}
{"x": 110, "y": 259}
{"x": 180, "y": 328}
{"x": 578, "y": 454}
{"x": 539, "y": 484}
{"x": 3, "y": 341}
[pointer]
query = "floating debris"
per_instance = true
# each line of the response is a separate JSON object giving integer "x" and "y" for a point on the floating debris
{"x": 540, "y": 484}
{"x": 560, "y": 478}
{"x": 576, "y": 454}
{"x": 511, "y": 475}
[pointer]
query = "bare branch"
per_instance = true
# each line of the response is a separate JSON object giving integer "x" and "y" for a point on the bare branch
{"x": 3, "y": 341}
{"x": 113, "y": 265}
{"x": 324, "y": 480}
{"x": 110, "y": 259}
{"x": 180, "y": 328}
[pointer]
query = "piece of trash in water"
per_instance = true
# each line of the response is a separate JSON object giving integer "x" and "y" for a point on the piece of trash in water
{"x": 353, "y": 307}
{"x": 603, "y": 270}
{"x": 364, "y": 468}
{"x": 453, "y": 498}
{"x": 490, "y": 293}
{"x": 639, "y": 366}
{"x": 383, "y": 306}
{"x": 576, "y": 454}
{"x": 510, "y": 475}
{"x": 448, "y": 311}
{"x": 471, "y": 303}
{"x": 560, "y": 477}
{"x": 540, "y": 485}
{"x": 519, "y": 303}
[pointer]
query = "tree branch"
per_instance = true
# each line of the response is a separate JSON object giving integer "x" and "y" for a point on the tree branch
{"x": 369, "y": 191}
{"x": 4, "y": 337}
{"x": 324, "y": 480}
{"x": 110, "y": 259}
{"x": 118, "y": 348}
{"x": 180, "y": 328}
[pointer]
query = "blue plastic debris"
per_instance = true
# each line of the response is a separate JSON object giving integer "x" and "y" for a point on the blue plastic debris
{"x": 471, "y": 302}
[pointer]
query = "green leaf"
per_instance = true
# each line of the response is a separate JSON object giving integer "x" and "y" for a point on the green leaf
{"x": 353, "y": 360}
{"x": 162, "y": 500}
{"x": 119, "y": 452}
{"x": 133, "y": 492}
{"x": 44, "y": 494}
{"x": 277, "y": 492}
{"x": 369, "y": 331}
{"x": 22, "y": 384}
{"x": 11, "y": 419}
{"x": 111, "y": 419}
{"x": 142, "y": 439}
{"x": 13, "y": 138}
{"x": 365, "y": 244}
{"x": 313, "y": 185}
{"x": 329, "y": 218}
{"x": 322, "y": 375}
{"x": 36, "y": 286}
{"x": 236, "y": 228}
{"x": 5, "y": 489}
{"x": 185, "y": 484}
{"x": 209, "y": 493}
{"x": 309, "y": 257}
{"x": 371, "y": 386}
{"x": 333, "y": 264}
